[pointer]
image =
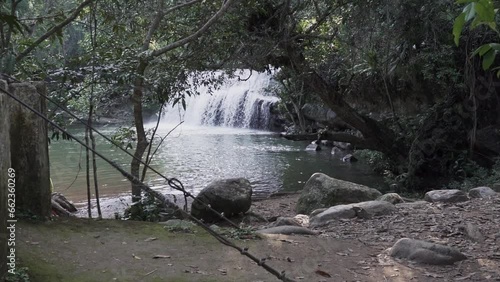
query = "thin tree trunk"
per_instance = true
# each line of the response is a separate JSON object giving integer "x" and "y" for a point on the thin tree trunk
{"x": 93, "y": 33}
{"x": 142, "y": 142}
{"x": 94, "y": 164}
{"x": 87, "y": 158}
{"x": 149, "y": 156}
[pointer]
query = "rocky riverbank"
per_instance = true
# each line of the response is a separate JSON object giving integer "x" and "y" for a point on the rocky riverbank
{"x": 469, "y": 225}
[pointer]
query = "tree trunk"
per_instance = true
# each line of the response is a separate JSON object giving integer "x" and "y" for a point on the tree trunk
{"x": 375, "y": 135}
{"x": 142, "y": 142}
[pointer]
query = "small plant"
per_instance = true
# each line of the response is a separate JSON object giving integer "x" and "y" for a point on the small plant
{"x": 241, "y": 234}
{"x": 376, "y": 160}
{"x": 20, "y": 275}
{"x": 148, "y": 209}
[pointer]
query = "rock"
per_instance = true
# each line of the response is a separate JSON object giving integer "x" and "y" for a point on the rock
{"x": 322, "y": 191}
{"x": 472, "y": 231}
{"x": 392, "y": 198}
{"x": 302, "y": 219}
{"x": 327, "y": 143}
{"x": 364, "y": 210}
{"x": 446, "y": 196}
{"x": 317, "y": 211}
{"x": 228, "y": 196}
{"x": 343, "y": 145}
{"x": 215, "y": 228}
{"x": 63, "y": 202}
{"x": 287, "y": 230}
{"x": 313, "y": 147}
{"x": 349, "y": 158}
{"x": 425, "y": 252}
{"x": 337, "y": 152}
{"x": 482, "y": 192}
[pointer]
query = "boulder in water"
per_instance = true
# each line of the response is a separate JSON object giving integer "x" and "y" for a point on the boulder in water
{"x": 313, "y": 147}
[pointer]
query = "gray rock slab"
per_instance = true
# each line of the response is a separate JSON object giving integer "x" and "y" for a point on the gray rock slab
{"x": 313, "y": 147}
{"x": 361, "y": 210}
{"x": 481, "y": 192}
{"x": 392, "y": 198}
{"x": 425, "y": 252}
{"x": 446, "y": 196}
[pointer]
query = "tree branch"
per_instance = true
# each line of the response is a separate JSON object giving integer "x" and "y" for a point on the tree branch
{"x": 159, "y": 16}
{"x": 196, "y": 34}
{"x": 53, "y": 30}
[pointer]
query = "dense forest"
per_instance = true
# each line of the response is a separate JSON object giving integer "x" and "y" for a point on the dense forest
{"x": 414, "y": 82}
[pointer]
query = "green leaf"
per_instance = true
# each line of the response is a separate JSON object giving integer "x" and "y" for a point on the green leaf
{"x": 484, "y": 12}
{"x": 488, "y": 59}
{"x": 458, "y": 27}
{"x": 470, "y": 11}
{"x": 482, "y": 50}
{"x": 495, "y": 46}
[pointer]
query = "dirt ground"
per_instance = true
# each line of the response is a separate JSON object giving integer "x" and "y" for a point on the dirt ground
{"x": 353, "y": 250}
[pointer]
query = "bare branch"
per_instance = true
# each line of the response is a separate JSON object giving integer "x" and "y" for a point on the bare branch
{"x": 53, "y": 30}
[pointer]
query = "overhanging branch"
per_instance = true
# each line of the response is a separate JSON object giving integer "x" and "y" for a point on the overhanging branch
{"x": 53, "y": 30}
{"x": 197, "y": 33}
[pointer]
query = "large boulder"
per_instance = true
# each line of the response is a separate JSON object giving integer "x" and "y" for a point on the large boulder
{"x": 446, "y": 196}
{"x": 228, "y": 196}
{"x": 322, "y": 191}
{"x": 482, "y": 192}
{"x": 425, "y": 252}
{"x": 363, "y": 210}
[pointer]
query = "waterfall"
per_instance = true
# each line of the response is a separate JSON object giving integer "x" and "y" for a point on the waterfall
{"x": 237, "y": 103}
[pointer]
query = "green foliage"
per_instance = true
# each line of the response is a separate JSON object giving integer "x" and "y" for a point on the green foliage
{"x": 240, "y": 234}
{"x": 20, "y": 275}
{"x": 376, "y": 160}
{"x": 470, "y": 175}
{"x": 124, "y": 137}
{"x": 148, "y": 209}
{"x": 479, "y": 12}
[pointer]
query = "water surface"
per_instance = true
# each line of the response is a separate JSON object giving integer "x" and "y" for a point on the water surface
{"x": 198, "y": 155}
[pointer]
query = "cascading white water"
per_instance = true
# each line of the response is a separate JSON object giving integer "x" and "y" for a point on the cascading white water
{"x": 237, "y": 103}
